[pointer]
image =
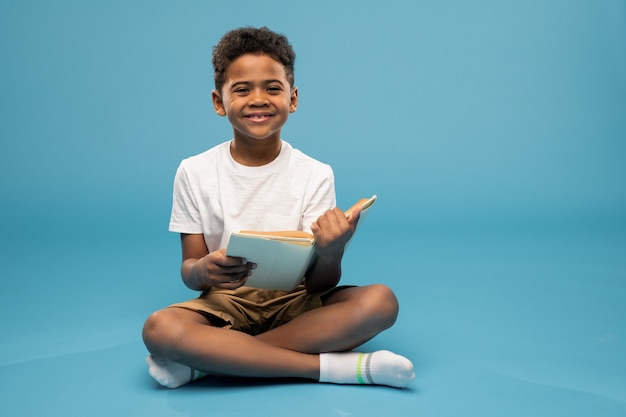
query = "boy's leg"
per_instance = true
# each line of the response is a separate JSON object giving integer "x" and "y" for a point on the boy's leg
{"x": 349, "y": 317}
{"x": 186, "y": 337}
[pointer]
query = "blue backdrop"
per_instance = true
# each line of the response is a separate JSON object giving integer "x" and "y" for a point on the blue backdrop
{"x": 493, "y": 132}
{"x": 449, "y": 111}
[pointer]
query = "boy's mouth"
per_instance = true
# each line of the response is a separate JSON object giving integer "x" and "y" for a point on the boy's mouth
{"x": 258, "y": 117}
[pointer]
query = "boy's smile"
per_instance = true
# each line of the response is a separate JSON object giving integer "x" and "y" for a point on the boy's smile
{"x": 257, "y": 98}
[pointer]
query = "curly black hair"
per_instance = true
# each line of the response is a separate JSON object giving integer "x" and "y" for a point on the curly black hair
{"x": 249, "y": 40}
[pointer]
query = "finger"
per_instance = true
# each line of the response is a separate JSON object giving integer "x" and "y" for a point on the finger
{"x": 232, "y": 261}
{"x": 233, "y": 281}
{"x": 236, "y": 279}
{"x": 233, "y": 273}
{"x": 235, "y": 261}
{"x": 338, "y": 220}
{"x": 354, "y": 215}
{"x": 220, "y": 258}
{"x": 221, "y": 273}
{"x": 331, "y": 218}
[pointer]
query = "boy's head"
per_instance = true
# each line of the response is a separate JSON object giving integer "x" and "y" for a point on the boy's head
{"x": 249, "y": 40}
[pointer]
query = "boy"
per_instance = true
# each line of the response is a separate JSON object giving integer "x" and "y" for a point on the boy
{"x": 258, "y": 181}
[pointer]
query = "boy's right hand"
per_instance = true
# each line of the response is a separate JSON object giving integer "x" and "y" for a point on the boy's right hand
{"x": 224, "y": 272}
{"x": 202, "y": 270}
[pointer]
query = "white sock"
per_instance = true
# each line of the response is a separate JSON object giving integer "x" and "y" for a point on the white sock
{"x": 171, "y": 374}
{"x": 380, "y": 368}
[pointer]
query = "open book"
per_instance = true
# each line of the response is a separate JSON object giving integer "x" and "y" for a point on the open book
{"x": 282, "y": 257}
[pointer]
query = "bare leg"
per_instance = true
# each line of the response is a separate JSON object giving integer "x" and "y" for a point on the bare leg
{"x": 186, "y": 337}
{"x": 349, "y": 318}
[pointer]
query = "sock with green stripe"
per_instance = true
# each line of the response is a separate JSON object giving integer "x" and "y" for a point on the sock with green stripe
{"x": 379, "y": 368}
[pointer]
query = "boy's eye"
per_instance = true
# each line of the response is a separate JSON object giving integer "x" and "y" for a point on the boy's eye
{"x": 274, "y": 89}
{"x": 241, "y": 91}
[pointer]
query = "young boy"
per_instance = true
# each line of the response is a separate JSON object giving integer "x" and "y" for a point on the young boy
{"x": 258, "y": 181}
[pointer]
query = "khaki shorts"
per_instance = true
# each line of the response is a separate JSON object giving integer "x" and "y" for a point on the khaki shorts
{"x": 253, "y": 310}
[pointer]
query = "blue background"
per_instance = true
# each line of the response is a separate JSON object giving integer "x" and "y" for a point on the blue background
{"x": 493, "y": 132}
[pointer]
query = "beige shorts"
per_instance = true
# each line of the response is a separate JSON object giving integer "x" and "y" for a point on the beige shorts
{"x": 252, "y": 310}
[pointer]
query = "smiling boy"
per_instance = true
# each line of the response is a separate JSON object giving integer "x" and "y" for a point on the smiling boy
{"x": 258, "y": 181}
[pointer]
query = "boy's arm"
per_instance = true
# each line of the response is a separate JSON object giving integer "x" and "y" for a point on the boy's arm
{"x": 332, "y": 231}
{"x": 201, "y": 270}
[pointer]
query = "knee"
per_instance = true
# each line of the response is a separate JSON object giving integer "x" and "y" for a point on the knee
{"x": 383, "y": 304}
{"x": 160, "y": 331}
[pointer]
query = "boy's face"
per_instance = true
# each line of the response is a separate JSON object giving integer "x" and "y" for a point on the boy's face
{"x": 257, "y": 97}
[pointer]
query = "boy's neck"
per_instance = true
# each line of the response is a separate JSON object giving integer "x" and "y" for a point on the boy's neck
{"x": 256, "y": 152}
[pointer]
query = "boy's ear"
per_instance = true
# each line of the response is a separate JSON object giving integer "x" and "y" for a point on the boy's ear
{"x": 218, "y": 104}
{"x": 293, "y": 106}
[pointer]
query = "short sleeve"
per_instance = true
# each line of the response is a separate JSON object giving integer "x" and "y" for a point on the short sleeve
{"x": 185, "y": 216}
{"x": 322, "y": 200}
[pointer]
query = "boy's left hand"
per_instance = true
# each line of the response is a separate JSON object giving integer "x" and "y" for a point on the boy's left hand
{"x": 333, "y": 230}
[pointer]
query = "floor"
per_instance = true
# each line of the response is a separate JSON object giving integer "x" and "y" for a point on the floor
{"x": 510, "y": 113}
{"x": 517, "y": 323}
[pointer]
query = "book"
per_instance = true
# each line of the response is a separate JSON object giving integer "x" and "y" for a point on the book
{"x": 282, "y": 257}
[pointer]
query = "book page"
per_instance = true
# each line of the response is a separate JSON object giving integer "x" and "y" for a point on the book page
{"x": 280, "y": 265}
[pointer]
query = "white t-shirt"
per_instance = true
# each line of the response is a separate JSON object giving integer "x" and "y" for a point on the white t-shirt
{"x": 214, "y": 195}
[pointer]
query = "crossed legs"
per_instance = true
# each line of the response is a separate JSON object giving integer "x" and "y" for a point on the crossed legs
{"x": 179, "y": 338}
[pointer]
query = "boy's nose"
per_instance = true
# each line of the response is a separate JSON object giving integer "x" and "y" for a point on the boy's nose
{"x": 257, "y": 98}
